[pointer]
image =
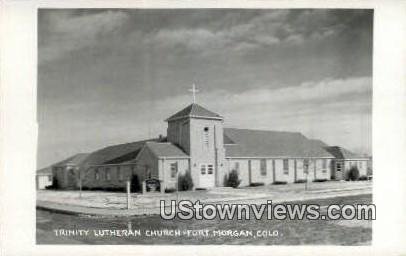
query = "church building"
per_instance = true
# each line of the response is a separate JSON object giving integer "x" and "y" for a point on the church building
{"x": 197, "y": 142}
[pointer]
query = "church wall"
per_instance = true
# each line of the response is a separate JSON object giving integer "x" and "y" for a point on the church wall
{"x": 362, "y": 166}
{"x": 165, "y": 170}
{"x": 257, "y": 176}
{"x": 147, "y": 165}
{"x": 241, "y": 166}
{"x": 178, "y": 133}
{"x": 203, "y": 149}
{"x": 117, "y": 177}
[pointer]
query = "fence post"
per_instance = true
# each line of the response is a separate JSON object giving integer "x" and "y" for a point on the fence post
{"x": 128, "y": 194}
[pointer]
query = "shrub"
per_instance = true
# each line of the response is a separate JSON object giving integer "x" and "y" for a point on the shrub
{"x": 170, "y": 190}
{"x": 320, "y": 180}
{"x": 185, "y": 182}
{"x": 353, "y": 173}
{"x": 301, "y": 181}
{"x": 279, "y": 182}
{"x": 54, "y": 184}
{"x": 232, "y": 179}
{"x": 135, "y": 184}
{"x": 256, "y": 184}
{"x": 363, "y": 177}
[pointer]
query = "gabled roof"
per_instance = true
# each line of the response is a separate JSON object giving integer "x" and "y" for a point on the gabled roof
{"x": 342, "y": 153}
{"x": 196, "y": 111}
{"x": 257, "y": 143}
{"x": 117, "y": 153}
{"x": 165, "y": 149}
{"x": 77, "y": 160}
{"x": 45, "y": 171}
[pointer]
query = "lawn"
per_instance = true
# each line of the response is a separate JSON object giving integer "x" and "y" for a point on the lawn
{"x": 291, "y": 232}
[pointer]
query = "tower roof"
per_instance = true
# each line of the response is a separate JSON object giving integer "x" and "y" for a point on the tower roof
{"x": 196, "y": 111}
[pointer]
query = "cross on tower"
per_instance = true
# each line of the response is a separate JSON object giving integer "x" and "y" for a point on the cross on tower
{"x": 194, "y": 91}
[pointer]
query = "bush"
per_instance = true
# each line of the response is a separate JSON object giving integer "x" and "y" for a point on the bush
{"x": 363, "y": 177}
{"x": 185, "y": 182}
{"x": 232, "y": 180}
{"x": 54, "y": 184}
{"x": 301, "y": 181}
{"x": 135, "y": 184}
{"x": 256, "y": 184}
{"x": 170, "y": 190}
{"x": 320, "y": 180}
{"x": 353, "y": 173}
{"x": 279, "y": 182}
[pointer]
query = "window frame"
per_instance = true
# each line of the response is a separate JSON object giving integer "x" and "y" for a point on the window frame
{"x": 206, "y": 131}
{"x": 97, "y": 174}
{"x": 203, "y": 169}
{"x": 324, "y": 164}
{"x": 173, "y": 169}
{"x": 107, "y": 174}
{"x": 306, "y": 165}
{"x": 263, "y": 167}
{"x": 210, "y": 169}
{"x": 285, "y": 166}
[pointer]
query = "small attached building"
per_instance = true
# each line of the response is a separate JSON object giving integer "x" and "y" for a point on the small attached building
{"x": 43, "y": 178}
{"x": 344, "y": 160}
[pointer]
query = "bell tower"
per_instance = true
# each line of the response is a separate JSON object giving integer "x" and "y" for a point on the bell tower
{"x": 199, "y": 132}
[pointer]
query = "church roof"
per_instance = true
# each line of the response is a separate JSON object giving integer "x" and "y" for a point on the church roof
{"x": 45, "y": 171}
{"x": 258, "y": 143}
{"x": 342, "y": 153}
{"x": 117, "y": 153}
{"x": 77, "y": 160}
{"x": 194, "y": 110}
{"x": 166, "y": 149}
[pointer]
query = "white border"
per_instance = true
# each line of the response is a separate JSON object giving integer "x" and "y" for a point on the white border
{"x": 18, "y": 132}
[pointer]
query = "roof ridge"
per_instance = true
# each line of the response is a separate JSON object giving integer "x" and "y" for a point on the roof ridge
{"x": 260, "y": 130}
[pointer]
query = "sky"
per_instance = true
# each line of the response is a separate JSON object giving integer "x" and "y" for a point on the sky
{"x": 110, "y": 76}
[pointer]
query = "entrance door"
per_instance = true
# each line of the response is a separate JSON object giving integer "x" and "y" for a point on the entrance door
{"x": 339, "y": 171}
{"x": 206, "y": 178}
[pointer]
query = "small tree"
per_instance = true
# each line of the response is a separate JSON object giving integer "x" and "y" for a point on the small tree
{"x": 185, "y": 182}
{"x": 232, "y": 179}
{"x": 353, "y": 173}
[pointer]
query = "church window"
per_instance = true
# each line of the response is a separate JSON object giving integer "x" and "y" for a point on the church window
{"x": 108, "y": 174}
{"x": 174, "y": 170}
{"x": 206, "y": 136}
{"x": 237, "y": 166}
{"x": 306, "y": 166}
{"x": 338, "y": 166}
{"x": 148, "y": 172}
{"x": 203, "y": 169}
{"x": 324, "y": 164}
{"x": 273, "y": 165}
{"x": 97, "y": 174}
{"x": 210, "y": 169}
{"x": 120, "y": 173}
{"x": 263, "y": 167}
{"x": 286, "y": 166}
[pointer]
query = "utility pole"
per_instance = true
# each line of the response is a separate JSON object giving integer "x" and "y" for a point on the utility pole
{"x": 128, "y": 194}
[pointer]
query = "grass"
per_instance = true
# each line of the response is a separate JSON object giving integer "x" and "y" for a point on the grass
{"x": 292, "y": 232}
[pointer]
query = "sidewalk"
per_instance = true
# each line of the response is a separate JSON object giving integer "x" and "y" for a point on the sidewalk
{"x": 149, "y": 205}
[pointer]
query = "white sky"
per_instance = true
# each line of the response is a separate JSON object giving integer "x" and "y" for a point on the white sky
{"x": 113, "y": 76}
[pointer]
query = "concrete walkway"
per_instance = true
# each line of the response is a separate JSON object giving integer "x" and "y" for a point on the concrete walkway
{"x": 247, "y": 199}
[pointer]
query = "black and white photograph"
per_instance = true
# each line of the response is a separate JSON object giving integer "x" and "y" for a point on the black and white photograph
{"x": 204, "y": 127}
